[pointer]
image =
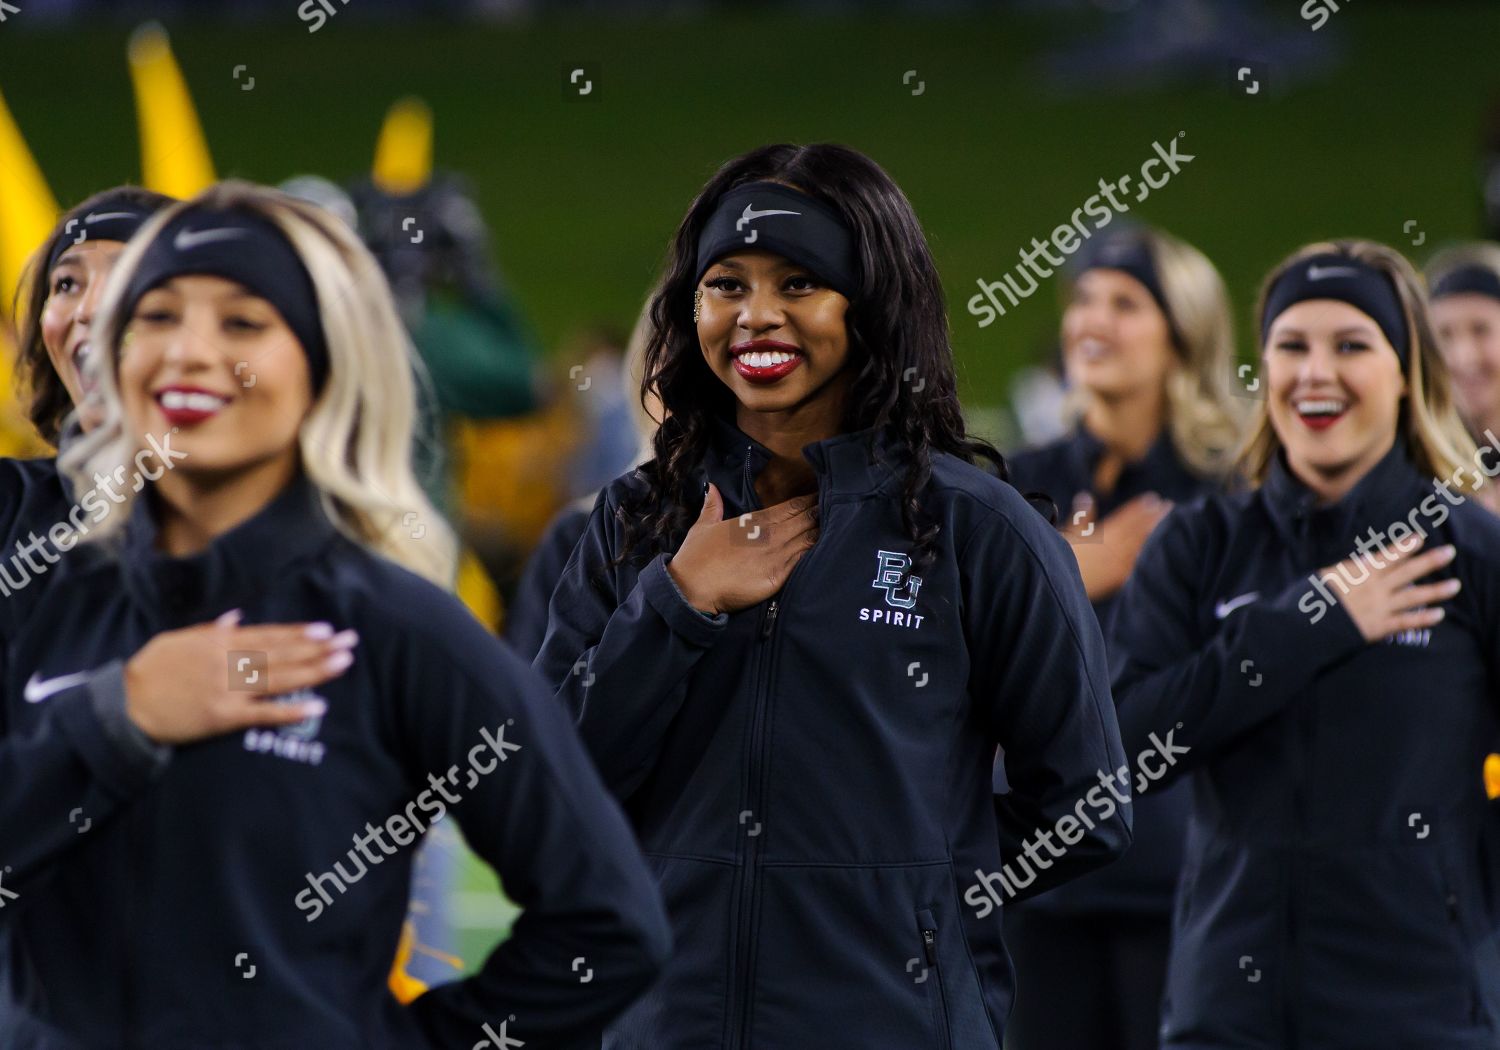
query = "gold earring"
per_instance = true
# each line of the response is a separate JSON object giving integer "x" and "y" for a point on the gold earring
{"x": 697, "y": 304}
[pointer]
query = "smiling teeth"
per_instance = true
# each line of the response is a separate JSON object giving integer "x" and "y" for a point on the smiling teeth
{"x": 766, "y": 358}
{"x": 177, "y": 400}
{"x": 1326, "y": 407}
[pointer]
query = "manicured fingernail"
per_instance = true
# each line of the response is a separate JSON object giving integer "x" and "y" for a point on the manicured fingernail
{"x": 230, "y": 618}
{"x": 345, "y": 639}
{"x": 340, "y": 660}
{"x": 319, "y": 630}
{"x": 1453, "y": 585}
{"x": 314, "y": 708}
{"x": 1449, "y": 551}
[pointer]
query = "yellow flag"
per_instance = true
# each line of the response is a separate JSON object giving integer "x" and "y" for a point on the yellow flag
{"x": 27, "y": 209}
{"x": 174, "y": 153}
{"x": 403, "y": 153}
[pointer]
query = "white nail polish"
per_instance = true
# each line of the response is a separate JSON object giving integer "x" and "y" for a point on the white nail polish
{"x": 345, "y": 640}
{"x": 340, "y": 660}
{"x": 319, "y": 630}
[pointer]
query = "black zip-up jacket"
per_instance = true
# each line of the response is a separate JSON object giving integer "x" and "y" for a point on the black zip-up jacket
{"x": 33, "y": 498}
{"x": 526, "y": 616}
{"x": 810, "y": 776}
{"x": 1144, "y": 881}
{"x": 1334, "y": 893}
{"x": 214, "y": 894}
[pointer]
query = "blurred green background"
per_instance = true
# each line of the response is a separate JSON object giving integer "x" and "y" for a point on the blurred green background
{"x": 582, "y": 195}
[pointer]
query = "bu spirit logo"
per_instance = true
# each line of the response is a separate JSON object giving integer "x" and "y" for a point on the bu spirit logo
{"x": 889, "y": 566}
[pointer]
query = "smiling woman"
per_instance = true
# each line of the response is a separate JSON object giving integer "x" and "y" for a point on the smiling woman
{"x": 62, "y": 291}
{"x": 815, "y": 575}
{"x": 1324, "y": 740}
{"x": 201, "y": 694}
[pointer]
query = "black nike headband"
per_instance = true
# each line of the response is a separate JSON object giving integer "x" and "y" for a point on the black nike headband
{"x": 785, "y": 221}
{"x": 1126, "y": 250}
{"x": 112, "y": 218}
{"x": 1470, "y": 279}
{"x": 246, "y": 248}
{"x": 1330, "y": 276}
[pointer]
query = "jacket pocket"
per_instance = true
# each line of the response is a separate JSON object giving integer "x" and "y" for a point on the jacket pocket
{"x": 927, "y": 930}
{"x": 1467, "y": 944}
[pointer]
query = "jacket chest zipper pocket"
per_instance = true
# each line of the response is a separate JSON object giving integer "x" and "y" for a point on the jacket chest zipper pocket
{"x": 927, "y": 925}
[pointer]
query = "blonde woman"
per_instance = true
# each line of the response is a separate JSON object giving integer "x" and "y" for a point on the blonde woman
{"x": 191, "y": 826}
{"x": 1148, "y": 354}
{"x": 1320, "y": 651}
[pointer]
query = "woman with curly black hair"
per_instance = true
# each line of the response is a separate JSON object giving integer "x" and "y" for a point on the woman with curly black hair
{"x": 794, "y": 639}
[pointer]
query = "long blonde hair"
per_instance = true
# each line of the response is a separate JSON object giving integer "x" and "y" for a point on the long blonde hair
{"x": 1203, "y": 419}
{"x": 1429, "y": 423}
{"x": 356, "y": 439}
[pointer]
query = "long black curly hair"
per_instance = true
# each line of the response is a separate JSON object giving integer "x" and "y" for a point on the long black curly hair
{"x": 898, "y": 346}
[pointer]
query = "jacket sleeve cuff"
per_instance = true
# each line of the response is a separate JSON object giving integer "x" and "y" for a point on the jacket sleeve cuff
{"x": 666, "y": 598}
{"x": 115, "y": 749}
{"x": 1326, "y": 634}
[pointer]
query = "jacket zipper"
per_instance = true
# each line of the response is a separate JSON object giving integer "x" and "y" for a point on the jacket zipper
{"x": 744, "y": 984}
{"x": 741, "y": 983}
{"x": 1302, "y": 755}
{"x": 749, "y": 884}
{"x": 928, "y": 925}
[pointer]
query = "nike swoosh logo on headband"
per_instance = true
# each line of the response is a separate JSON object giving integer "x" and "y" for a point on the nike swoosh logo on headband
{"x": 750, "y": 214}
{"x": 187, "y": 239}
{"x": 1316, "y": 274}
{"x": 100, "y": 216}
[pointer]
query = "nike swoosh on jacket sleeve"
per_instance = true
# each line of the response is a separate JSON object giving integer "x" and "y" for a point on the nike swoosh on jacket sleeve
{"x": 1219, "y": 686}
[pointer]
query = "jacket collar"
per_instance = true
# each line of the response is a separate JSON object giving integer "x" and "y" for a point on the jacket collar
{"x": 854, "y": 464}
{"x": 1388, "y": 492}
{"x": 233, "y": 568}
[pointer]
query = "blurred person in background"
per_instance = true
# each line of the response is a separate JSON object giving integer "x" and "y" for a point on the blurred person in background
{"x": 526, "y": 615}
{"x": 1463, "y": 285}
{"x": 1464, "y": 289}
{"x": 429, "y": 237}
{"x": 1148, "y": 352}
{"x": 57, "y": 300}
